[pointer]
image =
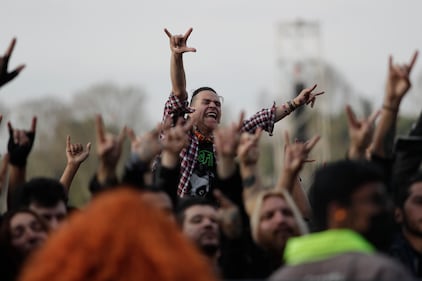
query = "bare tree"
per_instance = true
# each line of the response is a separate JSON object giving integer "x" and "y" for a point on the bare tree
{"x": 119, "y": 106}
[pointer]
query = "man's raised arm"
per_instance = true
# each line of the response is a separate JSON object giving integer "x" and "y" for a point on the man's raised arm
{"x": 177, "y": 72}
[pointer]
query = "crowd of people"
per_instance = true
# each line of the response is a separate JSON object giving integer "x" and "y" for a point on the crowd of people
{"x": 190, "y": 204}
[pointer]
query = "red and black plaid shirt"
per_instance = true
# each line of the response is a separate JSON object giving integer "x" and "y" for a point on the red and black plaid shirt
{"x": 175, "y": 107}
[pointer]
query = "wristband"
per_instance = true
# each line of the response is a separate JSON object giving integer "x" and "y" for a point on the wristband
{"x": 389, "y": 108}
{"x": 291, "y": 105}
{"x": 249, "y": 181}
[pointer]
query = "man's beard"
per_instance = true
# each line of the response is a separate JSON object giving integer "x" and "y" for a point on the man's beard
{"x": 408, "y": 227}
{"x": 381, "y": 231}
{"x": 209, "y": 250}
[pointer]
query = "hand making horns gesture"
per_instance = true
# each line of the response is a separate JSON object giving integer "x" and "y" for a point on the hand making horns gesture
{"x": 6, "y": 76}
{"x": 398, "y": 81}
{"x": 178, "y": 42}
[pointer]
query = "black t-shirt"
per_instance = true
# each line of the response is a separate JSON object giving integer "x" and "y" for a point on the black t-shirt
{"x": 204, "y": 174}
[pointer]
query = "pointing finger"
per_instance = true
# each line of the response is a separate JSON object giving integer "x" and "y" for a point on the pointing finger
{"x": 68, "y": 143}
{"x": 131, "y": 134}
{"x": 88, "y": 147}
{"x": 286, "y": 138}
{"x": 9, "y": 126}
{"x": 167, "y": 32}
{"x": 99, "y": 128}
{"x": 413, "y": 60}
{"x": 351, "y": 118}
{"x": 121, "y": 137}
{"x": 312, "y": 142}
{"x": 9, "y": 50}
{"x": 313, "y": 88}
{"x": 187, "y": 34}
{"x": 34, "y": 124}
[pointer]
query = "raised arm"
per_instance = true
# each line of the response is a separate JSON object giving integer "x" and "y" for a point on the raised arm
{"x": 248, "y": 155}
{"x": 5, "y": 75}
{"x": 360, "y": 133}
{"x": 295, "y": 155}
{"x": 143, "y": 151}
{"x": 174, "y": 139}
{"x": 226, "y": 141}
{"x": 229, "y": 217}
{"x": 75, "y": 155}
{"x": 109, "y": 150}
{"x": 177, "y": 72}
{"x": 266, "y": 117}
{"x": 306, "y": 97}
{"x": 398, "y": 84}
{"x": 18, "y": 147}
{"x": 4, "y": 169}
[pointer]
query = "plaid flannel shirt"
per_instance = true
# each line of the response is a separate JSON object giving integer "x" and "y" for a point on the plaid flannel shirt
{"x": 175, "y": 107}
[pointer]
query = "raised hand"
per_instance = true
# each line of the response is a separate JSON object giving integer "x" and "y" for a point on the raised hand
{"x": 4, "y": 165}
{"x": 109, "y": 146}
{"x": 306, "y": 96}
{"x": 6, "y": 76}
{"x": 147, "y": 146}
{"x": 228, "y": 215}
{"x": 175, "y": 138}
{"x": 75, "y": 152}
{"x": 75, "y": 155}
{"x": 360, "y": 132}
{"x": 248, "y": 150}
{"x": 398, "y": 81}
{"x": 296, "y": 154}
{"x": 226, "y": 139}
{"x": 20, "y": 143}
{"x": 178, "y": 43}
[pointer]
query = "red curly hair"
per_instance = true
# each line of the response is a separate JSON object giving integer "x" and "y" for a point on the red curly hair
{"x": 118, "y": 237}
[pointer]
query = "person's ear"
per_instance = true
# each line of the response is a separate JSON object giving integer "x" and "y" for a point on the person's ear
{"x": 398, "y": 215}
{"x": 337, "y": 215}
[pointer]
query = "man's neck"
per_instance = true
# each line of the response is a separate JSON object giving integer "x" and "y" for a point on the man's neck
{"x": 414, "y": 240}
{"x": 206, "y": 133}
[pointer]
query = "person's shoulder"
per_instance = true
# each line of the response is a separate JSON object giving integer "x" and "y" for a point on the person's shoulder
{"x": 383, "y": 267}
{"x": 351, "y": 265}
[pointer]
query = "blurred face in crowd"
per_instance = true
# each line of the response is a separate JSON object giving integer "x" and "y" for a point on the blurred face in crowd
{"x": 54, "y": 216}
{"x": 207, "y": 113}
{"x": 366, "y": 202}
{"x": 369, "y": 213}
{"x": 27, "y": 232}
{"x": 161, "y": 201}
{"x": 411, "y": 215}
{"x": 276, "y": 224}
{"x": 200, "y": 225}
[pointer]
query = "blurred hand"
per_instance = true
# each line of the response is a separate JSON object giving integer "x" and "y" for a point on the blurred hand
{"x": 20, "y": 143}
{"x": 6, "y": 76}
{"x": 398, "y": 80}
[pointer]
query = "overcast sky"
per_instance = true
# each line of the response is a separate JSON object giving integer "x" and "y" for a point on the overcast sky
{"x": 71, "y": 45}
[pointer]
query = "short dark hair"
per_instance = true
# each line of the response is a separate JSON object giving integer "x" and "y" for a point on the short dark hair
{"x": 197, "y": 91}
{"x": 187, "y": 202}
{"x": 46, "y": 192}
{"x": 403, "y": 190}
{"x": 336, "y": 182}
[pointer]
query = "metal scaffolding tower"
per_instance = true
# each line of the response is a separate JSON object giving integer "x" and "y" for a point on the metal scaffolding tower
{"x": 300, "y": 65}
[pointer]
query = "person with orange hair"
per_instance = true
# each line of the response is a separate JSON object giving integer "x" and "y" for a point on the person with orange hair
{"x": 119, "y": 236}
